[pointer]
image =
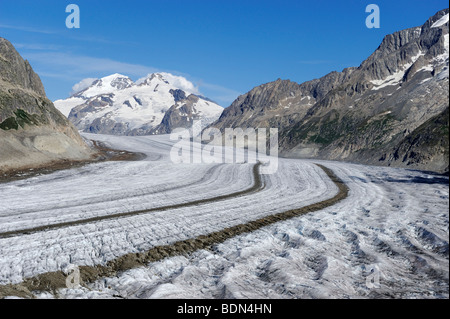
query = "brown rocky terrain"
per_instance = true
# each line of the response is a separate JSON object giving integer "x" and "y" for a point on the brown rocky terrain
{"x": 391, "y": 110}
{"x": 33, "y": 132}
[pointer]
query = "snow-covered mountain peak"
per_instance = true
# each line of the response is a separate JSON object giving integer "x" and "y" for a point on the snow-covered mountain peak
{"x": 117, "y": 81}
{"x": 105, "y": 85}
{"x": 168, "y": 79}
{"x": 152, "y": 78}
{"x": 155, "y": 104}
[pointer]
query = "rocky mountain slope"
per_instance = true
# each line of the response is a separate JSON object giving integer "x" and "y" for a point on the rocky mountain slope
{"x": 32, "y": 131}
{"x": 391, "y": 110}
{"x": 154, "y": 105}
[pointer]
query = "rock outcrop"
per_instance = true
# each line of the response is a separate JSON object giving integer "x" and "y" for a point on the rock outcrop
{"x": 32, "y": 131}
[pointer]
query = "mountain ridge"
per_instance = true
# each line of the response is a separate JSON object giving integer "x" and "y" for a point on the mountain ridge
{"x": 362, "y": 114}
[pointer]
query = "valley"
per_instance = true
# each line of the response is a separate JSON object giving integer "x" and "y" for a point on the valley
{"x": 394, "y": 219}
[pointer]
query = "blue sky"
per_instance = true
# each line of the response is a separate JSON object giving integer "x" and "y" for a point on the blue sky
{"x": 225, "y": 47}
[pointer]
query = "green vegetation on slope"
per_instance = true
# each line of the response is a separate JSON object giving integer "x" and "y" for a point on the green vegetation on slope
{"x": 20, "y": 119}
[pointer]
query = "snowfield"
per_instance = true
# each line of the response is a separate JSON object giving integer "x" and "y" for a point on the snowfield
{"x": 393, "y": 227}
{"x": 143, "y": 104}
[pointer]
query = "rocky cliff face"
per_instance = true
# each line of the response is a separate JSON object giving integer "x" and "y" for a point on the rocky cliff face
{"x": 391, "y": 110}
{"x": 181, "y": 115}
{"x": 32, "y": 131}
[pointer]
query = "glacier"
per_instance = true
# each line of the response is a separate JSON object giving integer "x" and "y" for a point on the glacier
{"x": 394, "y": 221}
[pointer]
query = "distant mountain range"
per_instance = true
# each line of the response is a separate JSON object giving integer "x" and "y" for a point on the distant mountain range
{"x": 156, "y": 104}
{"x": 33, "y": 132}
{"x": 391, "y": 110}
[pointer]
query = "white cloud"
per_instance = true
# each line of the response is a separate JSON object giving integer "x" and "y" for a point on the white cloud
{"x": 27, "y": 29}
{"x": 38, "y": 46}
{"x": 180, "y": 82}
{"x": 77, "y": 65}
{"x": 83, "y": 84}
{"x": 222, "y": 95}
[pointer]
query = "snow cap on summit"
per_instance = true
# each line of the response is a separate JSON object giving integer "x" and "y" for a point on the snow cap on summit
{"x": 176, "y": 81}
